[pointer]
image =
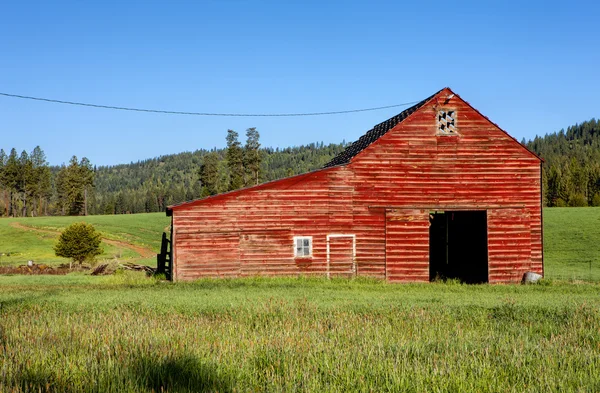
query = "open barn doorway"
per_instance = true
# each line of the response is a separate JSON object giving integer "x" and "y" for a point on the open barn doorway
{"x": 458, "y": 246}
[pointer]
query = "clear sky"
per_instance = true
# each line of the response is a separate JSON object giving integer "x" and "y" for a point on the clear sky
{"x": 530, "y": 66}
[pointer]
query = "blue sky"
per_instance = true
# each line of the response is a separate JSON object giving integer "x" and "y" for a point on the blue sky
{"x": 531, "y": 67}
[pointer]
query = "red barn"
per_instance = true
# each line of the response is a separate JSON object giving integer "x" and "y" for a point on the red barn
{"x": 436, "y": 191}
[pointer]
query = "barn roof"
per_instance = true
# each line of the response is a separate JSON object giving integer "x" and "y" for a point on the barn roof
{"x": 375, "y": 133}
{"x": 382, "y": 128}
{"x": 350, "y": 152}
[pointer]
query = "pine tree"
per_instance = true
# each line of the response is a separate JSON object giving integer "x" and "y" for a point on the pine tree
{"x": 11, "y": 177}
{"x": 42, "y": 180}
{"x": 3, "y": 186}
{"x": 80, "y": 242}
{"x": 25, "y": 185}
{"x": 235, "y": 161}
{"x": 86, "y": 177}
{"x": 73, "y": 184}
{"x": 209, "y": 173}
{"x": 252, "y": 157}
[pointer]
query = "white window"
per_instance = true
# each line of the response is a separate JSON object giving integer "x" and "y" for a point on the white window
{"x": 303, "y": 246}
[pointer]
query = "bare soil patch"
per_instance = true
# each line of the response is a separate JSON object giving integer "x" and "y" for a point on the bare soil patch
{"x": 34, "y": 270}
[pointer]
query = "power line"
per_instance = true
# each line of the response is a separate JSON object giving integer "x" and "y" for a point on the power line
{"x": 121, "y": 108}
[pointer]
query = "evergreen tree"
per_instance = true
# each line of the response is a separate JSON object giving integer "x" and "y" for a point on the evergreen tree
{"x": 80, "y": 242}
{"x": 42, "y": 181}
{"x": 235, "y": 161}
{"x": 86, "y": 177}
{"x": 26, "y": 181}
{"x": 12, "y": 174}
{"x": 209, "y": 173}
{"x": 252, "y": 157}
{"x": 73, "y": 184}
{"x": 3, "y": 187}
{"x": 60, "y": 182}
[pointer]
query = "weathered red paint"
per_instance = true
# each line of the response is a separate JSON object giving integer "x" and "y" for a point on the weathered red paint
{"x": 383, "y": 197}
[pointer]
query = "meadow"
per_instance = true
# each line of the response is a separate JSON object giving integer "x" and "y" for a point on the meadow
{"x": 130, "y": 333}
{"x": 572, "y": 243}
{"x": 18, "y": 244}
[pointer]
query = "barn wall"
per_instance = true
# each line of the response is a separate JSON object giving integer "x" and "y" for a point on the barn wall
{"x": 260, "y": 224}
{"x": 483, "y": 168}
{"x": 383, "y": 197}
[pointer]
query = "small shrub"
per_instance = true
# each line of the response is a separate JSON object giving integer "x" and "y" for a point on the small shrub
{"x": 559, "y": 202}
{"x": 577, "y": 200}
{"x": 80, "y": 242}
{"x": 596, "y": 199}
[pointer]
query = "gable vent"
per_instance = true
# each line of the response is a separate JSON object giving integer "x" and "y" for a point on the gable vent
{"x": 447, "y": 122}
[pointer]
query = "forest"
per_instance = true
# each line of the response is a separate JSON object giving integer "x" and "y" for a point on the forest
{"x": 571, "y": 175}
{"x": 29, "y": 186}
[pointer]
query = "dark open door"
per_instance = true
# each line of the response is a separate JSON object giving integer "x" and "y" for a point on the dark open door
{"x": 458, "y": 246}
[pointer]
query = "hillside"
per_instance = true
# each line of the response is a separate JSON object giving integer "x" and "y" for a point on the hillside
{"x": 151, "y": 185}
{"x": 29, "y": 187}
{"x": 572, "y": 165}
{"x": 571, "y": 172}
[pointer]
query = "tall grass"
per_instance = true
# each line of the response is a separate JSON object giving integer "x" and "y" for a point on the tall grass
{"x": 131, "y": 334}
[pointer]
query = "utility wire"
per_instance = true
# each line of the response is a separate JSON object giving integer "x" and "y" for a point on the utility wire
{"x": 121, "y": 108}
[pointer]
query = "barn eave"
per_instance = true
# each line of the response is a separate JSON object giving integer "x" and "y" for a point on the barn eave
{"x": 262, "y": 186}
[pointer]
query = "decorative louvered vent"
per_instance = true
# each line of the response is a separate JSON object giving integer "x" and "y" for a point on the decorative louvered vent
{"x": 447, "y": 122}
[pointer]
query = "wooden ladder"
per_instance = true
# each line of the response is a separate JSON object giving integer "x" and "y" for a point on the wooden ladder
{"x": 163, "y": 260}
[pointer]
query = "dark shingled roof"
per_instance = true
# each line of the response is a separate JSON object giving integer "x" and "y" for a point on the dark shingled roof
{"x": 373, "y": 134}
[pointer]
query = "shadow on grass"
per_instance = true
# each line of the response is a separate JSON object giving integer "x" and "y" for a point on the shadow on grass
{"x": 183, "y": 374}
{"x": 178, "y": 375}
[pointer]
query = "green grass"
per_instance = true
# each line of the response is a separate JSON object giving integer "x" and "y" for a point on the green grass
{"x": 127, "y": 333}
{"x": 572, "y": 243}
{"x": 22, "y": 245}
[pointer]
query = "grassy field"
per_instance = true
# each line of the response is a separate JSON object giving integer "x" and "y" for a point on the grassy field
{"x": 127, "y": 333}
{"x": 18, "y": 245}
{"x": 572, "y": 243}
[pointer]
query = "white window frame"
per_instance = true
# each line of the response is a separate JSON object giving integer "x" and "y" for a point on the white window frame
{"x": 310, "y": 246}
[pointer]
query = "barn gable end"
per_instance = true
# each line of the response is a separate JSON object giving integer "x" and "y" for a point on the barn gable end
{"x": 375, "y": 209}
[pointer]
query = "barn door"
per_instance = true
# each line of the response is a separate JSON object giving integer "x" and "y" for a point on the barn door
{"x": 407, "y": 245}
{"x": 509, "y": 244}
{"x": 341, "y": 252}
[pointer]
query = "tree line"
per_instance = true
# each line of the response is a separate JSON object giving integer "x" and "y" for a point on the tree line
{"x": 30, "y": 187}
{"x": 152, "y": 185}
{"x": 571, "y": 175}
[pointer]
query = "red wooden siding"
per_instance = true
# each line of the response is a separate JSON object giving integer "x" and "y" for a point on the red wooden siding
{"x": 407, "y": 245}
{"x": 207, "y": 254}
{"x": 341, "y": 256}
{"x": 509, "y": 244}
{"x": 383, "y": 197}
